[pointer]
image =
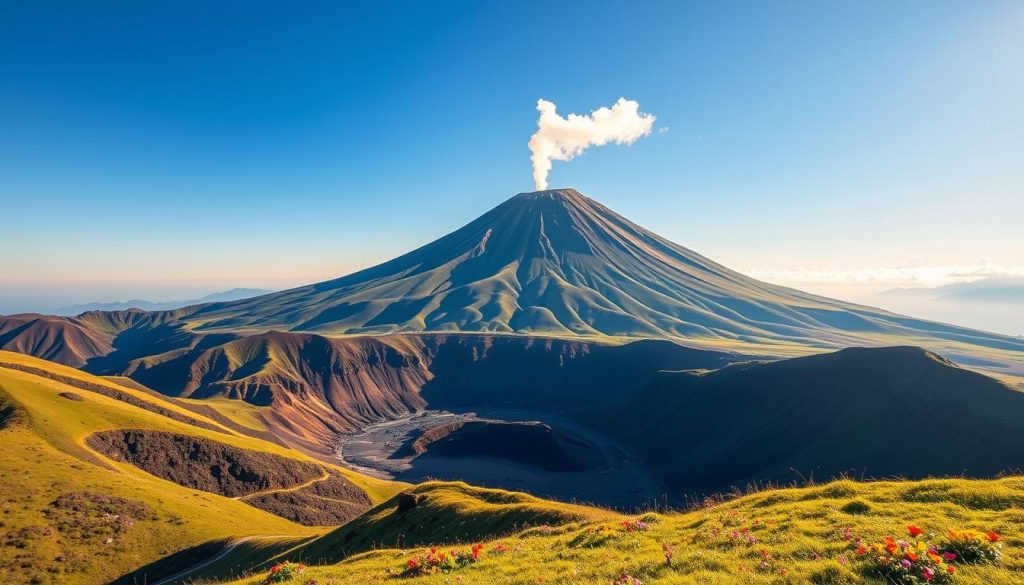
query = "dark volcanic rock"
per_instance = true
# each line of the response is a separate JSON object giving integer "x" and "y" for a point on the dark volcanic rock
{"x": 203, "y": 464}
{"x": 408, "y": 500}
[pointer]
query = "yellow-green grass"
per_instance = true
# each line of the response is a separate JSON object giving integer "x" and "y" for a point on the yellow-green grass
{"x": 70, "y": 422}
{"x": 801, "y": 530}
{"x": 447, "y": 514}
{"x": 44, "y": 456}
{"x": 238, "y": 411}
{"x": 247, "y": 556}
{"x": 36, "y": 468}
{"x": 450, "y": 512}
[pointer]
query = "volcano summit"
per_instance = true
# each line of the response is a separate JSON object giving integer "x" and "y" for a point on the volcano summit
{"x": 558, "y": 263}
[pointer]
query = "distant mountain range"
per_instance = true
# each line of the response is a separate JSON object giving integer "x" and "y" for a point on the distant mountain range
{"x": 980, "y": 291}
{"x": 217, "y": 297}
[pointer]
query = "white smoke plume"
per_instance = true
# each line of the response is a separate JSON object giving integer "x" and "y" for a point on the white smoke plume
{"x": 559, "y": 138}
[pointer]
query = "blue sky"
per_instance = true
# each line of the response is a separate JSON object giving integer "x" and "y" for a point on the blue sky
{"x": 166, "y": 149}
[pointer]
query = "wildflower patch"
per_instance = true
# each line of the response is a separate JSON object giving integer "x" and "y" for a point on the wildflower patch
{"x": 284, "y": 572}
{"x": 438, "y": 561}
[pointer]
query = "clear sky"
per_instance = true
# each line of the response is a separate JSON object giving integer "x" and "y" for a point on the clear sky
{"x": 168, "y": 149}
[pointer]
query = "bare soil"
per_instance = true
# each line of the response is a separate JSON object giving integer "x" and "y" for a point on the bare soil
{"x": 553, "y": 458}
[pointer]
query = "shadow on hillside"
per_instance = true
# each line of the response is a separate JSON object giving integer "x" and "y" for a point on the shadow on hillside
{"x": 172, "y": 564}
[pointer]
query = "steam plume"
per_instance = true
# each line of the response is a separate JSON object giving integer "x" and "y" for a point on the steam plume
{"x": 559, "y": 138}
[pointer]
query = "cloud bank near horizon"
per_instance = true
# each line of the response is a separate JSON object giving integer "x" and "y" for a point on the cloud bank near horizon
{"x": 564, "y": 138}
{"x": 913, "y": 274}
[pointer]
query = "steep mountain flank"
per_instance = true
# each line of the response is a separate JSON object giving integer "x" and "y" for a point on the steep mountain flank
{"x": 320, "y": 386}
{"x": 63, "y": 340}
{"x": 872, "y": 412}
{"x": 558, "y": 263}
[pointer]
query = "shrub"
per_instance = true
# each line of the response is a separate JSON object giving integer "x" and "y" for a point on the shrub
{"x": 286, "y": 571}
{"x": 974, "y": 547}
{"x": 436, "y": 561}
{"x": 856, "y": 507}
{"x": 902, "y": 562}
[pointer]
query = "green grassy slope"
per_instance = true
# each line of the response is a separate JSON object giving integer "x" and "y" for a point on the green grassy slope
{"x": 805, "y": 535}
{"x": 447, "y": 513}
{"x": 464, "y": 513}
{"x": 70, "y": 515}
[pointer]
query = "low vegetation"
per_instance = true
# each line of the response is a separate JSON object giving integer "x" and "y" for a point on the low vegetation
{"x": 908, "y": 533}
{"x": 69, "y": 515}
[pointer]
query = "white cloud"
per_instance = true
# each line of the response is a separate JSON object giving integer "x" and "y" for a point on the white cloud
{"x": 910, "y": 274}
{"x": 559, "y": 138}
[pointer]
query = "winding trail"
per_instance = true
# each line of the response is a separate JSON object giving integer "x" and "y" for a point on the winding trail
{"x": 227, "y": 550}
{"x": 223, "y": 553}
{"x": 293, "y": 488}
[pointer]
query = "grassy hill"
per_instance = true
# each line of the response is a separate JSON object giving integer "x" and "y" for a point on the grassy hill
{"x": 71, "y": 515}
{"x": 797, "y": 535}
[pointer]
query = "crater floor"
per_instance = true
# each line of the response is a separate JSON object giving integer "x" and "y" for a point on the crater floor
{"x": 591, "y": 469}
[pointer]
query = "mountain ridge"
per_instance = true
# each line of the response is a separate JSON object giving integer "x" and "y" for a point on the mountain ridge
{"x": 557, "y": 241}
{"x": 147, "y": 305}
{"x": 558, "y": 263}
{"x": 551, "y": 263}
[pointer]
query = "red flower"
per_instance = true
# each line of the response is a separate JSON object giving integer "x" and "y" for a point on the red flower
{"x": 992, "y": 536}
{"x": 912, "y": 556}
{"x": 949, "y": 556}
{"x": 890, "y": 544}
{"x": 951, "y": 569}
{"x": 914, "y": 530}
{"x": 861, "y": 550}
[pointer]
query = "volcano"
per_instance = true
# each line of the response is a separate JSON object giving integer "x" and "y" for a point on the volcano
{"x": 558, "y": 263}
{"x": 551, "y": 303}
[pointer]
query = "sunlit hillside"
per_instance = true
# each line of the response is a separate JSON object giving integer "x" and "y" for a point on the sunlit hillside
{"x": 805, "y": 535}
{"x": 73, "y": 515}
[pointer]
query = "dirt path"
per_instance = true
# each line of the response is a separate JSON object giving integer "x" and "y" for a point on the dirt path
{"x": 293, "y": 488}
{"x": 223, "y": 553}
